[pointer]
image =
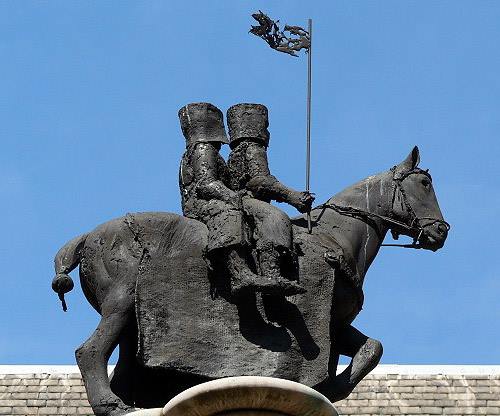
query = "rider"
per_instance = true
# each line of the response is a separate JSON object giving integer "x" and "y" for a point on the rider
{"x": 249, "y": 170}
{"x": 206, "y": 196}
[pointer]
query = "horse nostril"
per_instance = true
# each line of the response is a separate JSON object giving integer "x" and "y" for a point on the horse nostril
{"x": 442, "y": 229}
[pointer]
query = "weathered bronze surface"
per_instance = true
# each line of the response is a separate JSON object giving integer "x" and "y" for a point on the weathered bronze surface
{"x": 236, "y": 287}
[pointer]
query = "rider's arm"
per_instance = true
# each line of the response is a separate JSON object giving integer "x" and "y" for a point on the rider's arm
{"x": 266, "y": 186}
{"x": 205, "y": 171}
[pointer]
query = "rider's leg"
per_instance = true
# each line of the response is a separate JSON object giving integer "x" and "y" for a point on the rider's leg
{"x": 269, "y": 260}
{"x": 272, "y": 232}
{"x": 243, "y": 280}
{"x": 269, "y": 222}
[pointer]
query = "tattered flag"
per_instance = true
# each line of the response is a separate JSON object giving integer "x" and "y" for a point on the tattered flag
{"x": 269, "y": 30}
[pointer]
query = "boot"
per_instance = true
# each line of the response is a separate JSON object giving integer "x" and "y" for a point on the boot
{"x": 244, "y": 281}
{"x": 269, "y": 259}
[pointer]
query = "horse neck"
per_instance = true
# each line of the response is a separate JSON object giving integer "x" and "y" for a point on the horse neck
{"x": 361, "y": 237}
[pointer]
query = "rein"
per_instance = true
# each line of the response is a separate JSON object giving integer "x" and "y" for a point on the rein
{"x": 414, "y": 225}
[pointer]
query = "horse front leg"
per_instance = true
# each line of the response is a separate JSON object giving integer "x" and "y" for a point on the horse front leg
{"x": 93, "y": 355}
{"x": 365, "y": 354}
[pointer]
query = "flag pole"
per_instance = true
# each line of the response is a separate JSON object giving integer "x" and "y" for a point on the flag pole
{"x": 308, "y": 140}
{"x": 298, "y": 39}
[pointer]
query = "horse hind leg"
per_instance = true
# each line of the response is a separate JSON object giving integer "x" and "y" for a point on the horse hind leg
{"x": 124, "y": 378}
{"x": 93, "y": 355}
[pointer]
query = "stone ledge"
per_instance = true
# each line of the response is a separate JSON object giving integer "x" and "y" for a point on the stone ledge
{"x": 386, "y": 369}
{"x": 389, "y": 389}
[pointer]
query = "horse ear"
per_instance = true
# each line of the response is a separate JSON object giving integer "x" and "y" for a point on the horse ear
{"x": 411, "y": 162}
{"x": 415, "y": 156}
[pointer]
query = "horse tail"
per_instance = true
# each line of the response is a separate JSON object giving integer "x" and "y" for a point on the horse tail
{"x": 67, "y": 258}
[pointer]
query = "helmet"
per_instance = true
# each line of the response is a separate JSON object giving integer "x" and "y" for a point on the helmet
{"x": 248, "y": 121}
{"x": 202, "y": 122}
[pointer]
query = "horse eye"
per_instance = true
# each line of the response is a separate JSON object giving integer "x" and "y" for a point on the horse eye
{"x": 426, "y": 182}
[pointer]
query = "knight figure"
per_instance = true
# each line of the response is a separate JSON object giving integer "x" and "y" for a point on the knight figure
{"x": 270, "y": 227}
{"x": 207, "y": 196}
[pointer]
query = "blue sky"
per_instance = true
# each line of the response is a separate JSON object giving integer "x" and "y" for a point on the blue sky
{"x": 89, "y": 94}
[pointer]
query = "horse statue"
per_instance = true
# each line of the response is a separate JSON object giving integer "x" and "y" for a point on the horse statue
{"x": 146, "y": 276}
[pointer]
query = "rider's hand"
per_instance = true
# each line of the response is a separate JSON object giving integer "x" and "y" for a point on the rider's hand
{"x": 304, "y": 201}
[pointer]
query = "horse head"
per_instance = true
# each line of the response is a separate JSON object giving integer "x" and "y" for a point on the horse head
{"x": 415, "y": 207}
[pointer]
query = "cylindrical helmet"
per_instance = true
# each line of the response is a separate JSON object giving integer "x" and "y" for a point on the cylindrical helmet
{"x": 248, "y": 121}
{"x": 202, "y": 122}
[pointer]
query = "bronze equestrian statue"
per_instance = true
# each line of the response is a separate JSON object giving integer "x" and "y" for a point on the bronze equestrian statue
{"x": 182, "y": 334}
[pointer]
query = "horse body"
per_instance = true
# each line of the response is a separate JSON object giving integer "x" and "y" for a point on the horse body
{"x": 113, "y": 253}
{"x": 300, "y": 338}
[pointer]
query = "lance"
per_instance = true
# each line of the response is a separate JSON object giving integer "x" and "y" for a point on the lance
{"x": 308, "y": 140}
{"x": 291, "y": 40}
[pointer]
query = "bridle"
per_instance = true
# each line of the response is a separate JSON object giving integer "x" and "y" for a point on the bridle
{"x": 413, "y": 226}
